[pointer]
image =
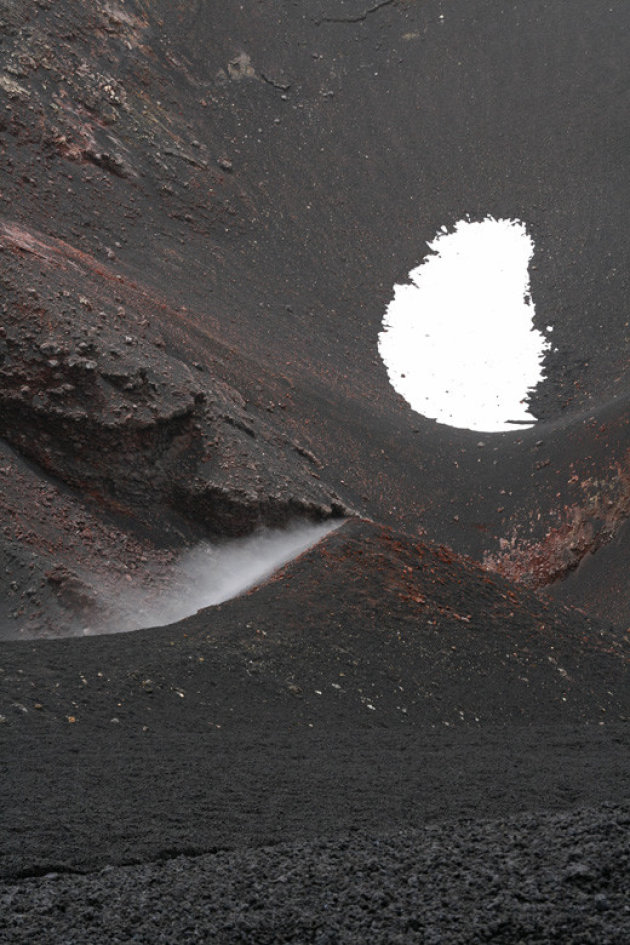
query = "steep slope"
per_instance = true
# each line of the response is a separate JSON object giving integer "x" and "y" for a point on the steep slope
{"x": 240, "y": 190}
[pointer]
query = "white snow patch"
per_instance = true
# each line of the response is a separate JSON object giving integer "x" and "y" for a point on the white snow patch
{"x": 458, "y": 341}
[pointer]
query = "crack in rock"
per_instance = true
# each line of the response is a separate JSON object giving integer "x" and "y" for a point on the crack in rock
{"x": 358, "y": 18}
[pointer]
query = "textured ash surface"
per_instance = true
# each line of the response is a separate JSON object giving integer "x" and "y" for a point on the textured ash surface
{"x": 516, "y": 880}
{"x": 203, "y": 212}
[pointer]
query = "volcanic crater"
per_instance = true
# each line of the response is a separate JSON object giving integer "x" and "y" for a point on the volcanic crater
{"x": 204, "y": 210}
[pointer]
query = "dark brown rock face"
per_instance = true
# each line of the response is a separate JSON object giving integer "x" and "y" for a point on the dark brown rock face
{"x": 96, "y": 391}
{"x": 90, "y": 392}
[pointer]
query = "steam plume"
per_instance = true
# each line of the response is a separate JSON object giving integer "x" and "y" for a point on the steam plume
{"x": 210, "y": 574}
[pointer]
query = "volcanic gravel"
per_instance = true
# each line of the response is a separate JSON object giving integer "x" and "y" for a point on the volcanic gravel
{"x": 550, "y": 879}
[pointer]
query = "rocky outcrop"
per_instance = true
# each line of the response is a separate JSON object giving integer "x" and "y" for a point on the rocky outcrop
{"x": 98, "y": 413}
{"x": 99, "y": 396}
{"x": 97, "y": 391}
{"x": 583, "y": 528}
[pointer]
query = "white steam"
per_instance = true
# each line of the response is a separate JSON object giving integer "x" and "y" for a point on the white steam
{"x": 210, "y": 574}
